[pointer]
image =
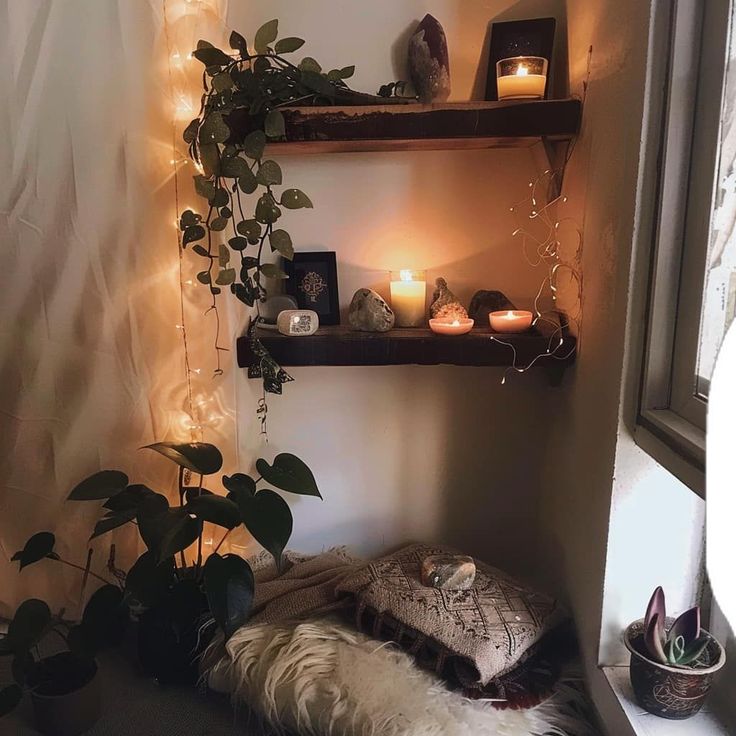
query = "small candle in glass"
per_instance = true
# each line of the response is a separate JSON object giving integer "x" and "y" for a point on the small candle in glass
{"x": 408, "y": 297}
{"x": 447, "y": 326}
{"x": 510, "y": 320}
{"x": 521, "y": 78}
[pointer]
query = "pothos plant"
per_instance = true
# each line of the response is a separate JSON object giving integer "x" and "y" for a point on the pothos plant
{"x": 239, "y": 113}
{"x": 183, "y": 597}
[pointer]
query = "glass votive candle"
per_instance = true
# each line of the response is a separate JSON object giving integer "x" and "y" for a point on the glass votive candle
{"x": 449, "y": 326}
{"x": 510, "y": 320}
{"x": 521, "y": 78}
{"x": 408, "y": 297}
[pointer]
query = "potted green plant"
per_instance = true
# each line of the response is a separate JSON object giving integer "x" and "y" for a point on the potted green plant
{"x": 673, "y": 661}
{"x": 63, "y": 684}
{"x": 178, "y": 603}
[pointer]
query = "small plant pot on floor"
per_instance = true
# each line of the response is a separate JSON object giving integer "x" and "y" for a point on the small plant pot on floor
{"x": 65, "y": 692}
{"x": 670, "y": 692}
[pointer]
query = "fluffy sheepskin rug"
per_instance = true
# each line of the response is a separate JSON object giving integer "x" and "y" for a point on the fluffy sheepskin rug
{"x": 321, "y": 678}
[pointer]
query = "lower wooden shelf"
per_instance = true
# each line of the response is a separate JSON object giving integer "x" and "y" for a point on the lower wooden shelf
{"x": 340, "y": 346}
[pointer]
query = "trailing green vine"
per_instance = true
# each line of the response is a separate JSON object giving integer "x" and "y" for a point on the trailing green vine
{"x": 239, "y": 114}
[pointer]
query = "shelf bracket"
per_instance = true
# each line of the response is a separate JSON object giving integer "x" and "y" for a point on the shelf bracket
{"x": 556, "y": 152}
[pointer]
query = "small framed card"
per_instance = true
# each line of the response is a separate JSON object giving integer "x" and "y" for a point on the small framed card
{"x": 535, "y": 37}
{"x": 313, "y": 283}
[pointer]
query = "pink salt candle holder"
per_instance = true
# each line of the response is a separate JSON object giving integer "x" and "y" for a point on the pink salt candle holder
{"x": 510, "y": 320}
{"x": 449, "y": 326}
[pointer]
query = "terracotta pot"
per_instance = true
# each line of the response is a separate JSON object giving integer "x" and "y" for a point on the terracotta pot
{"x": 670, "y": 692}
{"x": 61, "y": 713}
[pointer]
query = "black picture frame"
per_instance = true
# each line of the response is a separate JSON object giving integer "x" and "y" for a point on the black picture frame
{"x": 534, "y": 37}
{"x": 320, "y": 292}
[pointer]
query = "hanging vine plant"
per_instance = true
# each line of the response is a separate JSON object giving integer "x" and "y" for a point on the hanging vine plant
{"x": 245, "y": 193}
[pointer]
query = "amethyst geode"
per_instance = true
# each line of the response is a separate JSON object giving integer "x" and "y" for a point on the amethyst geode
{"x": 429, "y": 62}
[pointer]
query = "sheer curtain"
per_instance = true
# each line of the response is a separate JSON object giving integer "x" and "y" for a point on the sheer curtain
{"x": 91, "y": 360}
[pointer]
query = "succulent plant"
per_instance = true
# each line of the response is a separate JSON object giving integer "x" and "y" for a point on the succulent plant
{"x": 679, "y": 646}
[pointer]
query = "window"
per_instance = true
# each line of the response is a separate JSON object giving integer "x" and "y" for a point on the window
{"x": 693, "y": 275}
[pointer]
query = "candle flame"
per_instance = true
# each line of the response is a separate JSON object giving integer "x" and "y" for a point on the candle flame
{"x": 405, "y": 274}
{"x": 509, "y": 314}
{"x": 455, "y": 323}
{"x": 522, "y": 71}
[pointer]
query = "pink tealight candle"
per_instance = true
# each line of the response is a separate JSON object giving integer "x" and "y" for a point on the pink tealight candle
{"x": 511, "y": 320}
{"x": 451, "y": 326}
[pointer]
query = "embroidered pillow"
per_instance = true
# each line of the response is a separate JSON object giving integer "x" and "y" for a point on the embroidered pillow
{"x": 478, "y": 637}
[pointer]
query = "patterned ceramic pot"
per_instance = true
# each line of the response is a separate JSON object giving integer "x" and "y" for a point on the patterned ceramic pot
{"x": 670, "y": 692}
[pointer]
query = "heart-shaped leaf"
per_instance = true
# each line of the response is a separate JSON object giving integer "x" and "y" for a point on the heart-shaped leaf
{"x": 229, "y": 586}
{"x": 266, "y": 210}
{"x": 281, "y": 241}
{"x": 113, "y": 521}
{"x": 40, "y": 545}
{"x": 238, "y": 243}
{"x": 308, "y": 64}
{"x": 268, "y": 518}
{"x": 272, "y": 271}
{"x": 199, "y": 457}
{"x": 204, "y": 187}
{"x": 295, "y": 199}
{"x": 225, "y": 277}
{"x": 289, "y": 473}
{"x": 254, "y": 144}
{"x": 101, "y": 485}
{"x": 10, "y": 696}
{"x": 265, "y": 36}
{"x": 239, "y": 483}
{"x": 130, "y": 498}
{"x": 215, "y": 509}
{"x": 275, "y": 125}
{"x": 28, "y": 625}
{"x": 192, "y": 234}
{"x": 189, "y": 218}
{"x": 105, "y": 617}
{"x": 182, "y": 532}
{"x": 149, "y": 581}
{"x": 238, "y": 43}
{"x": 247, "y": 182}
{"x": 153, "y": 520}
{"x": 269, "y": 172}
{"x": 234, "y": 167}
{"x": 251, "y": 229}
{"x": 213, "y": 129}
{"x": 289, "y": 44}
{"x": 211, "y": 56}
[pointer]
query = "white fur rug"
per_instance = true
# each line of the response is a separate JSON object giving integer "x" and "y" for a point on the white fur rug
{"x": 321, "y": 678}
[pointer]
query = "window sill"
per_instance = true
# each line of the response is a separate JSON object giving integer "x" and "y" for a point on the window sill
{"x": 646, "y": 724}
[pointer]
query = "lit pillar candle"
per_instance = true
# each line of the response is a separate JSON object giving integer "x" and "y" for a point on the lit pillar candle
{"x": 522, "y": 77}
{"x": 408, "y": 297}
{"x": 509, "y": 320}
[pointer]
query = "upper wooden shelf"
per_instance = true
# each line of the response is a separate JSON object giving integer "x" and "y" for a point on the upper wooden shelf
{"x": 414, "y": 127}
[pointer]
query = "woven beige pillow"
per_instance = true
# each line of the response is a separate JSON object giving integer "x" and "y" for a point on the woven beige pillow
{"x": 480, "y": 634}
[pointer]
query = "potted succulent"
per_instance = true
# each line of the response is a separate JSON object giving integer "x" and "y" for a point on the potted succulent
{"x": 62, "y": 683}
{"x": 673, "y": 661}
{"x": 178, "y": 601}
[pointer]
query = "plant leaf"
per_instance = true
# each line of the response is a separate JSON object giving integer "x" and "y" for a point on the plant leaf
{"x": 239, "y": 483}
{"x": 182, "y": 532}
{"x": 238, "y": 43}
{"x": 653, "y": 640}
{"x": 272, "y": 271}
{"x": 204, "y": 187}
{"x": 295, "y": 199}
{"x": 213, "y": 129}
{"x": 238, "y": 243}
{"x": 225, "y": 277}
{"x": 40, "y": 545}
{"x": 269, "y": 172}
{"x": 215, "y": 509}
{"x": 251, "y": 229}
{"x": 281, "y": 241}
{"x": 289, "y": 473}
{"x": 10, "y": 696}
{"x": 234, "y": 167}
{"x": 288, "y": 45}
{"x": 199, "y": 457}
{"x": 195, "y": 232}
{"x": 687, "y": 625}
{"x": 266, "y": 211}
{"x": 308, "y": 64}
{"x": 148, "y": 581}
{"x": 656, "y": 605}
{"x": 105, "y": 617}
{"x": 129, "y": 498}
{"x": 28, "y": 625}
{"x": 694, "y": 651}
{"x": 188, "y": 218}
{"x": 275, "y": 125}
{"x": 108, "y": 523}
{"x": 265, "y": 36}
{"x": 211, "y": 56}
{"x": 102, "y": 484}
{"x": 254, "y": 144}
{"x": 229, "y": 586}
{"x": 219, "y": 223}
{"x": 247, "y": 182}
{"x": 268, "y": 518}
{"x": 223, "y": 255}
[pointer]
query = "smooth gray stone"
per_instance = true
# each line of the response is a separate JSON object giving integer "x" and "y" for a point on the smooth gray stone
{"x": 448, "y": 572}
{"x": 369, "y": 312}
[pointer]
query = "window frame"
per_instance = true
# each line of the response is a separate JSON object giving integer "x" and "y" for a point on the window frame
{"x": 670, "y": 423}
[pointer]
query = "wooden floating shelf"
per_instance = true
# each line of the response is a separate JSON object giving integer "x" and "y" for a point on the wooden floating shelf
{"x": 415, "y": 127}
{"x": 340, "y": 346}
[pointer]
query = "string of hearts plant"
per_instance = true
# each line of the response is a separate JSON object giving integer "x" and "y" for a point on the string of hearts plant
{"x": 239, "y": 113}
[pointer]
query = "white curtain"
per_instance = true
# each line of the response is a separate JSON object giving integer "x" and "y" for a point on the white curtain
{"x": 91, "y": 360}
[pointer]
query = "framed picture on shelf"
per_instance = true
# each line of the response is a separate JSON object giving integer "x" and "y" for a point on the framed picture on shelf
{"x": 313, "y": 283}
{"x": 534, "y": 37}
